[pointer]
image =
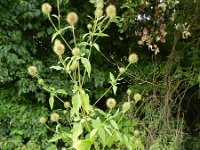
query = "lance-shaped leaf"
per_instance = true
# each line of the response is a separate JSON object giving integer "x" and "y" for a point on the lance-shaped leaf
{"x": 87, "y": 65}
{"x": 59, "y": 32}
{"x": 85, "y": 102}
{"x": 51, "y": 101}
{"x": 76, "y": 102}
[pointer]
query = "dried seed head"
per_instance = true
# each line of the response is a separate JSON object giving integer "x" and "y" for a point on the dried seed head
{"x": 72, "y": 18}
{"x": 32, "y": 70}
{"x": 42, "y": 120}
{"x": 54, "y": 117}
{"x": 76, "y": 51}
{"x": 137, "y": 97}
{"x": 110, "y": 103}
{"x": 125, "y": 107}
{"x": 111, "y": 11}
{"x": 98, "y": 12}
{"x": 46, "y": 8}
{"x": 122, "y": 70}
{"x": 133, "y": 58}
{"x": 58, "y": 47}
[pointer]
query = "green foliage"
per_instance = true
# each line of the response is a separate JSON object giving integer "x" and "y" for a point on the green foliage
{"x": 20, "y": 127}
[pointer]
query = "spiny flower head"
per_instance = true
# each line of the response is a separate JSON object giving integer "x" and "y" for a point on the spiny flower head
{"x": 66, "y": 104}
{"x": 46, "y": 8}
{"x": 136, "y": 132}
{"x": 58, "y": 47}
{"x": 89, "y": 26}
{"x": 133, "y": 58}
{"x": 42, "y": 120}
{"x": 125, "y": 106}
{"x": 54, "y": 117}
{"x": 111, "y": 11}
{"x": 32, "y": 70}
{"x": 110, "y": 103}
{"x": 129, "y": 91}
{"x": 76, "y": 51}
{"x": 137, "y": 97}
{"x": 122, "y": 70}
{"x": 72, "y": 18}
{"x": 99, "y": 4}
{"x": 98, "y": 12}
{"x": 40, "y": 81}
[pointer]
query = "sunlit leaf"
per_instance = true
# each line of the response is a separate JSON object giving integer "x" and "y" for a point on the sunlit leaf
{"x": 87, "y": 65}
{"x": 76, "y": 102}
{"x": 51, "y": 101}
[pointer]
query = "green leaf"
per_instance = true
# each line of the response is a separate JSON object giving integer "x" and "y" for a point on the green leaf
{"x": 114, "y": 89}
{"x": 51, "y": 101}
{"x": 101, "y": 34}
{"x": 87, "y": 65}
{"x": 108, "y": 131}
{"x": 59, "y": 32}
{"x": 114, "y": 124}
{"x": 76, "y": 102}
{"x": 83, "y": 44}
{"x": 85, "y": 102}
{"x": 93, "y": 133}
{"x": 77, "y": 130}
{"x": 96, "y": 46}
{"x": 101, "y": 111}
{"x": 96, "y": 123}
{"x": 85, "y": 35}
{"x": 84, "y": 144}
{"x": 57, "y": 68}
{"x": 61, "y": 91}
{"x": 55, "y": 137}
{"x": 54, "y": 15}
{"x": 112, "y": 78}
{"x": 102, "y": 135}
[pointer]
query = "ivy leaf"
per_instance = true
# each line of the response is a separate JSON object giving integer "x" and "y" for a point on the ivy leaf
{"x": 87, "y": 65}
{"x": 76, "y": 102}
{"x": 51, "y": 101}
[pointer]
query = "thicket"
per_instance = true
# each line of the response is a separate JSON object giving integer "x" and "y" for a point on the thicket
{"x": 164, "y": 35}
